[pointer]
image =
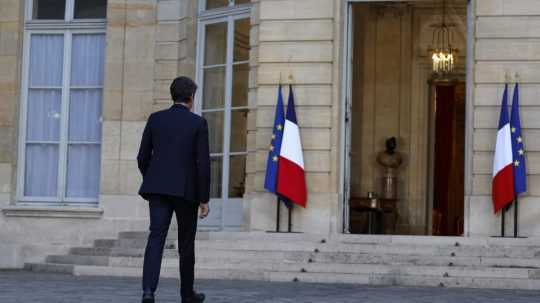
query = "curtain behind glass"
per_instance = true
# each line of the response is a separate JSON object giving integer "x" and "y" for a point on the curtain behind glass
{"x": 43, "y": 115}
{"x": 46, "y": 58}
{"x": 87, "y": 60}
{"x": 85, "y": 106}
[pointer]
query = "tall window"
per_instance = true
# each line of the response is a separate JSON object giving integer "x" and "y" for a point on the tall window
{"x": 223, "y": 71}
{"x": 60, "y": 137}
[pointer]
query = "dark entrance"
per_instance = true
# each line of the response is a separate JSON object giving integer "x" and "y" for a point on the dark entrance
{"x": 448, "y": 158}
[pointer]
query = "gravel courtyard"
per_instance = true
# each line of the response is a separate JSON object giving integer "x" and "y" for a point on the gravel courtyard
{"x": 28, "y": 287}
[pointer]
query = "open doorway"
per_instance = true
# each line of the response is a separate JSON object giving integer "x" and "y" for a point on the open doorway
{"x": 405, "y": 130}
{"x": 448, "y": 150}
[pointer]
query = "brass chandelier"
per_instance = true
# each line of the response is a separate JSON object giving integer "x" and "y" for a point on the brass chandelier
{"x": 443, "y": 55}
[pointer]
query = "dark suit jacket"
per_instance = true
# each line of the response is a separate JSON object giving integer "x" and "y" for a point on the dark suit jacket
{"x": 174, "y": 156}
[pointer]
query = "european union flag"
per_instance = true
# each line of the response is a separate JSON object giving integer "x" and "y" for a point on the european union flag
{"x": 518, "y": 149}
{"x": 270, "y": 181}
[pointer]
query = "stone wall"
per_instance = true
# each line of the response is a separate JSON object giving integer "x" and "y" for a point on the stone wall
{"x": 10, "y": 42}
{"x": 30, "y": 233}
{"x": 297, "y": 38}
{"x": 506, "y": 41}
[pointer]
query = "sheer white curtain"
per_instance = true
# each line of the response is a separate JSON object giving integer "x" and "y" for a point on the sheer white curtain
{"x": 43, "y": 115}
{"x": 83, "y": 166}
{"x": 43, "y": 135}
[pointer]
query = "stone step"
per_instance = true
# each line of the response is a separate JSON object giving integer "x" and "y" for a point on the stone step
{"x": 171, "y": 235}
{"x": 231, "y": 236}
{"x": 408, "y": 280}
{"x": 398, "y": 240}
{"x": 296, "y": 266}
{"x": 135, "y": 259}
{"x": 116, "y": 252}
{"x": 50, "y": 267}
{"x": 408, "y": 249}
{"x": 442, "y": 241}
{"x": 437, "y": 271}
{"x": 78, "y": 260}
{"x": 421, "y": 256}
{"x": 376, "y": 258}
{"x": 366, "y": 279}
{"x": 262, "y": 236}
{"x": 101, "y": 248}
{"x": 129, "y": 243}
{"x": 105, "y": 243}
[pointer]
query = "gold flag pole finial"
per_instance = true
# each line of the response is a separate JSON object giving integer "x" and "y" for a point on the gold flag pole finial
{"x": 291, "y": 78}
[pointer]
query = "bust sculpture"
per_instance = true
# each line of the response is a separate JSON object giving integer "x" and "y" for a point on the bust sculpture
{"x": 391, "y": 160}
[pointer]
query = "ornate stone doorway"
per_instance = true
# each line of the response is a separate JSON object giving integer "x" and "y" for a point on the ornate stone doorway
{"x": 389, "y": 96}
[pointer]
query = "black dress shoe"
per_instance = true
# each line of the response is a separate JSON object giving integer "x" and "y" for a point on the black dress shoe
{"x": 196, "y": 298}
{"x": 148, "y": 298}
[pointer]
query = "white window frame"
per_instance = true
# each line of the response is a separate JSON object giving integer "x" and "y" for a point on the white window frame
{"x": 222, "y": 10}
{"x": 222, "y": 15}
{"x": 67, "y": 27}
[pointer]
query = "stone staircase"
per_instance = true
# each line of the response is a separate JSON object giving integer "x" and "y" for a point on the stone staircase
{"x": 358, "y": 259}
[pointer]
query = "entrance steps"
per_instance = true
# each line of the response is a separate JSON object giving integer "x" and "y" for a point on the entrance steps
{"x": 358, "y": 259}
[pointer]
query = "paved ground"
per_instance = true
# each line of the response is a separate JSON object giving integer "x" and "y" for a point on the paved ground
{"x": 27, "y": 287}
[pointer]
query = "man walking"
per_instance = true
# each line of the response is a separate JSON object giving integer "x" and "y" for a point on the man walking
{"x": 174, "y": 160}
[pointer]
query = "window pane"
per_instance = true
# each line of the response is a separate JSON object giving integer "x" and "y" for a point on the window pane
{"x": 239, "y": 130}
{"x": 241, "y": 40}
{"x": 83, "y": 171}
{"x": 216, "y": 172}
{"x": 85, "y": 115}
{"x": 41, "y": 170}
{"x": 46, "y": 60}
{"x": 49, "y": 9}
{"x": 43, "y": 115}
{"x": 211, "y": 4}
{"x": 87, "y": 60}
{"x": 215, "y": 129}
{"x": 90, "y": 9}
{"x": 214, "y": 88}
{"x": 237, "y": 176}
{"x": 240, "y": 85}
{"x": 215, "y": 44}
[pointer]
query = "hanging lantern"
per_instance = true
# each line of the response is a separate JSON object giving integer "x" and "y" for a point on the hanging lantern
{"x": 441, "y": 52}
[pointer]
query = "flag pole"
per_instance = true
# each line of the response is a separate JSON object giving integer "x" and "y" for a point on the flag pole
{"x": 516, "y": 206}
{"x": 290, "y": 218}
{"x": 277, "y": 214}
{"x": 503, "y": 211}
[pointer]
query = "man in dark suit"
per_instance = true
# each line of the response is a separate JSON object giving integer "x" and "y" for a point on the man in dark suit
{"x": 174, "y": 160}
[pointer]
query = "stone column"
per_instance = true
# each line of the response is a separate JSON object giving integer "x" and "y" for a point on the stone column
{"x": 10, "y": 58}
{"x": 128, "y": 100}
{"x": 505, "y": 41}
{"x": 294, "y": 37}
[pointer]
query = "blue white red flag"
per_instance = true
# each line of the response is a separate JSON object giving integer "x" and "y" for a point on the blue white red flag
{"x": 503, "y": 173}
{"x": 291, "y": 182}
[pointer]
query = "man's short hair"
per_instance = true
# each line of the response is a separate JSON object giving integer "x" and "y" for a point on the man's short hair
{"x": 182, "y": 89}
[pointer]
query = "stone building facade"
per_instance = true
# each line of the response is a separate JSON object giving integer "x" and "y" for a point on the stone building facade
{"x": 149, "y": 42}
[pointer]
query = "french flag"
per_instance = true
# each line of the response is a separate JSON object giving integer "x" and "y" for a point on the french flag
{"x": 503, "y": 173}
{"x": 291, "y": 176}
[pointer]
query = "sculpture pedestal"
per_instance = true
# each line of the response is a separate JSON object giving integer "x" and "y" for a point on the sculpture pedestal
{"x": 389, "y": 187}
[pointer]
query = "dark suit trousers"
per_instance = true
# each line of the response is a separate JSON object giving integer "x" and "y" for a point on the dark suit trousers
{"x": 161, "y": 210}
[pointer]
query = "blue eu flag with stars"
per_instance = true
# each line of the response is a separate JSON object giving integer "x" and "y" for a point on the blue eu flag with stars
{"x": 270, "y": 181}
{"x": 518, "y": 149}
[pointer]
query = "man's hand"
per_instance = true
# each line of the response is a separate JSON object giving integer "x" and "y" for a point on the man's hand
{"x": 204, "y": 210}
